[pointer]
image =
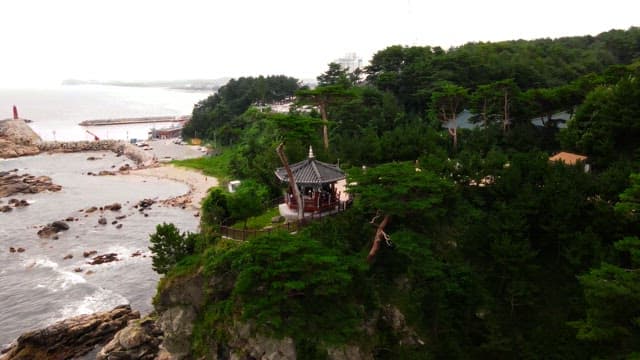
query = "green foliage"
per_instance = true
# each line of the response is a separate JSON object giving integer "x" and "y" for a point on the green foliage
{"x": 214, "y": 211}
{"x": 169, "y": 246}
{"x": 292, "y": 285}
{"x": 335, "y": 75}
{"x": 630, "y": 199}
{"x": 402, "y": 191}
{"x": 249, "y": 200}
{"x": 218, "y": 165}
{"x": 411, "y": 72}
{"x": 612, "y": 294}
{"x": 213, "y": 115}
{"x": 605, "y": 126}
{"x": 495, "y": 252}
{"x": 259, "y": 221}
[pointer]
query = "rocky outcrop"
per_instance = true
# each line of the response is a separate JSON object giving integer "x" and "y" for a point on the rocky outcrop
{"x": 12, "y": 183}
{"x": 181, "y": 302}
{"x": 53, "y": 228}
{"x": 103, "y": 259}
{"x": 348, "y": 352}
{"x": 70, "y": 338}
{"x": 245, "y": 343}
{"x": 406, "y": 335}
{"x": 178, "y": 304}
{"x": 17, "y": 139}
{"x": 140, "y": 340}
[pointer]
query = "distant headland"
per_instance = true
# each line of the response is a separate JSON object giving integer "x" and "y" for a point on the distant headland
{"x": 190, "y": 84}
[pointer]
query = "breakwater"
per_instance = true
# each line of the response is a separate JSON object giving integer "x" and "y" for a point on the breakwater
{"x": 119, "y": 147}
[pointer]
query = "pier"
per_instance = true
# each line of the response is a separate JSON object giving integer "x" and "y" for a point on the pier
{"x": 138, "y": 120}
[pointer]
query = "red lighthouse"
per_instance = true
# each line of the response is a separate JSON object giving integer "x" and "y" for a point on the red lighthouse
{"x": 15, "y": 113}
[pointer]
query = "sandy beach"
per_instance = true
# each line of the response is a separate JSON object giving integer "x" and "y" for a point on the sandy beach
{"x": 199, "y": 184}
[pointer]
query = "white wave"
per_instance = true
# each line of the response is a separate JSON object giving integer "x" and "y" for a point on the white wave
{"x": 100, "y": 300}
{"x": 40, "y": 263}
{"x": 70, "y": 278}
{"x": 64, "y": 279}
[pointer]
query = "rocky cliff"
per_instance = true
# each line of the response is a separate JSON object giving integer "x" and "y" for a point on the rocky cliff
{"x": 70, "y": 338}
{"x": 17, "y": 139}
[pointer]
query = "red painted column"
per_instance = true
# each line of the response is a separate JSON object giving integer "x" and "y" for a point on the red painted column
{"x": 15, "y": 112}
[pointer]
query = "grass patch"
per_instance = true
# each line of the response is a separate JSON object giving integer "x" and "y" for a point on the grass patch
{"x": 258, "y": 222}
{"x": 218, "y": 165}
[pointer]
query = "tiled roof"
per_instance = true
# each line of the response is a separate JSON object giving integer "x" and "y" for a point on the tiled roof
{"x": 311, "y": 171}
{"x": 567, "y": 158}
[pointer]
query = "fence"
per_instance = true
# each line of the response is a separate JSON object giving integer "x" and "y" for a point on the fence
{"x": 293, "y": 226}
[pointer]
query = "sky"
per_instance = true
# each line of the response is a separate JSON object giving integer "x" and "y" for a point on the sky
{"x": 46, "y": 41}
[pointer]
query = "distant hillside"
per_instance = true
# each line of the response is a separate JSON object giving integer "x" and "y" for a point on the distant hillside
{"x": 189, "y": 84}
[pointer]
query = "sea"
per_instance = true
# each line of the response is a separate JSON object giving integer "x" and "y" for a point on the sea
{"x": 51, "y": 279}
{"x": 56, "y": 111}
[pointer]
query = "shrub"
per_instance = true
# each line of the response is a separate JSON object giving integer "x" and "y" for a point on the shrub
{"x": 169, "y": 246}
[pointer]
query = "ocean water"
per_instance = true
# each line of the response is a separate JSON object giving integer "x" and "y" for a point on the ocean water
{"x": 39, "y": 286}
{"x": 57, "y": 110}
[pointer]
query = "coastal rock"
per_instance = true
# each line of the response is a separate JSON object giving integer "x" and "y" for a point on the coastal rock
{"x": 139, "y": 340}
{"x": 144, "y": 204}
{"x": 72, "y": 337}
{"x": 106, "y": 173}
{"x": 91, "y": 209}
{"x": 60, "y": 225}
{"x": 67, "y": 257}
{"x": 17, "y": 139}
{"x": 11, "y": 184}
{"x": 245, "y": 343}
{"x": 102, "y": 221}
{"x": 104, "y": 258}
{"x": 177, "y": 325}
{"x": 53, "y": 228}
{"x": 113, "y": 207}
{"x": 5, "y": 208}
{"x": 178, "y": 305}
{"x": 18, "y": 203}
{"x": 89, "y": 253}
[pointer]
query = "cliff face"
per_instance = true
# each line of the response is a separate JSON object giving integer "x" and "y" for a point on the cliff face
{"x": 184, "y": 313}
{"x": 17, "y": 139}
{"x": 181, "y": 306}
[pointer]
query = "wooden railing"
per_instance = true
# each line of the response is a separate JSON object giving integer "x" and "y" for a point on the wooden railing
{"x": 289, "y": 226}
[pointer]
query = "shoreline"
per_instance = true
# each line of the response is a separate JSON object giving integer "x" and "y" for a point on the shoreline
{"x": 199, "y": 183}
{"x": 198, "y": 186}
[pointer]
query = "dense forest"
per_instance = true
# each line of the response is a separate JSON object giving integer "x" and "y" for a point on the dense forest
{"x": 493, "y": 251}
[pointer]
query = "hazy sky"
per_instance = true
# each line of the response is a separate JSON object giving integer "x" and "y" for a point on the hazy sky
{"x": 45, "y": 41}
